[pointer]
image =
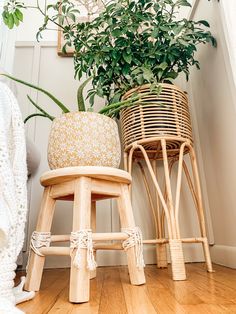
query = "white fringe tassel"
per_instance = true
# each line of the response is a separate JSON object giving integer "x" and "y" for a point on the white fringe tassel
{"x": 135, "y": 240}
{"x": 83, "y": 240}
{"x": 38, "y": 240}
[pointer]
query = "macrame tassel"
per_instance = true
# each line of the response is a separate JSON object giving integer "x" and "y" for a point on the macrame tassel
{"x": 38, "y": 240}
{"x": 83, "y": 240}
{"x": 134, "y": 240}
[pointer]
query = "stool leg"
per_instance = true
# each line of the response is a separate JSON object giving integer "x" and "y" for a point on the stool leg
{"x": 79, "y": 277}
{"x": 137, "y": 276}
{"x": 93, "y": 273}
{"x": 36, "y": 262}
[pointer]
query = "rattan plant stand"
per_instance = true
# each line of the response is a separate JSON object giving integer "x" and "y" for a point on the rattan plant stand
{"x": 158, "y": 130}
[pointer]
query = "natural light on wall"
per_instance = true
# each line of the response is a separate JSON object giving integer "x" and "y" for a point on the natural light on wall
{"x": 228, "y": 12}
{"x": 1, "y": 6}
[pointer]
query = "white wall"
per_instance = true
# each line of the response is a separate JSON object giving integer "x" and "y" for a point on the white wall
{"x": 32, "y": 21}
{"x": 39, "y": 64}
{"x": 212, "y": 90}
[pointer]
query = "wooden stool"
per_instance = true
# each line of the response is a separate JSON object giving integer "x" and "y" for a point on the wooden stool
{"x": 85, "y": 186}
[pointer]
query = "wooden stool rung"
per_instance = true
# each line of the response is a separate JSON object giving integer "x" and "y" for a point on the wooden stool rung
{"x": 54, "y": 250}
{"x": 108, "y": 246}
{"x": 95, "y": 236}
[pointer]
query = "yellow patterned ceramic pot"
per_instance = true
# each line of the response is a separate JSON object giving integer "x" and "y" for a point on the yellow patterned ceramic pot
{"x": 84, "y": 139}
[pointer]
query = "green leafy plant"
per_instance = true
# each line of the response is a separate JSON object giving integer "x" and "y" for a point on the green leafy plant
{"x": 132, "y": 42}
{"x": 136, "y": 42}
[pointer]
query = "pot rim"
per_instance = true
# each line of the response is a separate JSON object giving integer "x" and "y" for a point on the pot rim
{"x": 140, "y": 87}
{"x": 74, "y": 113}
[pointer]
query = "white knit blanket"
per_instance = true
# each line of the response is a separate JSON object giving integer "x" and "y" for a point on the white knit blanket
{"x": 13, "y": 196}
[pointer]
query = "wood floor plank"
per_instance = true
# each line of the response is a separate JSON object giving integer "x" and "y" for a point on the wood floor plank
{"x": 222, "y": 274}
{"x": 53, "y": 283}
{"x": 210, "y": 290}
{"x": 112, "y": 293}
{"x": 62, "y": 305}
{"x": 136, "y": 297}
{"x": 160, "y": 296}
{"x": 182, "y": 291}
{"x": 112, "y": 297}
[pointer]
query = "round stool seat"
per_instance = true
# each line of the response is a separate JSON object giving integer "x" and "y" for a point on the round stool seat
{"x": 66, "y": 174}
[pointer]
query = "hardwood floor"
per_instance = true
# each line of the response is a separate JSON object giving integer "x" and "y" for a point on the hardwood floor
{"x": 111, "y": 292}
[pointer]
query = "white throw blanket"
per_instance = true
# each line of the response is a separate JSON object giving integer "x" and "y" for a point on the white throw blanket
{"x": 13, "y": 195}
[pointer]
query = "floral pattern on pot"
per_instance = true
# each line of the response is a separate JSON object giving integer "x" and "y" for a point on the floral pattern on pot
{"x": 84, "y": 139}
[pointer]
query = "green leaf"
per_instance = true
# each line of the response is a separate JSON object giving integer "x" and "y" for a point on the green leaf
{"x": 80, "y": 98}
{"x": 172, "y": 74}
{"x": 71, "y": 16}
{"x": 10, "y": 21}
{"x": 126, "y": 69}
{"x": 155, "y": 32}
{"x": 40, "y": 109}
{"x": 16, "y": 21}
{"x": 19, "y": 15}
{"x": 127, "y": 58}
{"x": 203, "y": 22}
{"x": 159, "y": 74}
{"x": 183, "y": 42}
{"x": 35, "y": 115}
{"x": 147, "y": 74}
{"x": 163, "y": 66}
{"x": 184, "y": 3}
{"x": 91, "y": 99}
{"x": 116, "y": 32}
{"x": 140, "y": 79}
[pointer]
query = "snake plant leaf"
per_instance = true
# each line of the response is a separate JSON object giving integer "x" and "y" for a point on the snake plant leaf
{"x": 56, "y": 101}
{"x": 80, "y": 98}
{"x": 35, "y": 115}
{"x": 40, "y": 109}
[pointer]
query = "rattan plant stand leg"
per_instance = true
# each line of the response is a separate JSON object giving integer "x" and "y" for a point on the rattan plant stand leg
{"x": 166, "y": 204}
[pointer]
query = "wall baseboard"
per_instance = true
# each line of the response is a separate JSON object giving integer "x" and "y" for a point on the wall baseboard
{"x": 224, "y": 255}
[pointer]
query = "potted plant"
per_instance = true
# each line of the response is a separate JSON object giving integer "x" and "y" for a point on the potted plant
{"x": 133, "y": 51}
{"x": 81, "y": 138}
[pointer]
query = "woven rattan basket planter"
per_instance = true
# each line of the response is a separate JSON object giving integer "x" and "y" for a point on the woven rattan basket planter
{"x": 165, "y": 115}
{"x": 84, "y": 139}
